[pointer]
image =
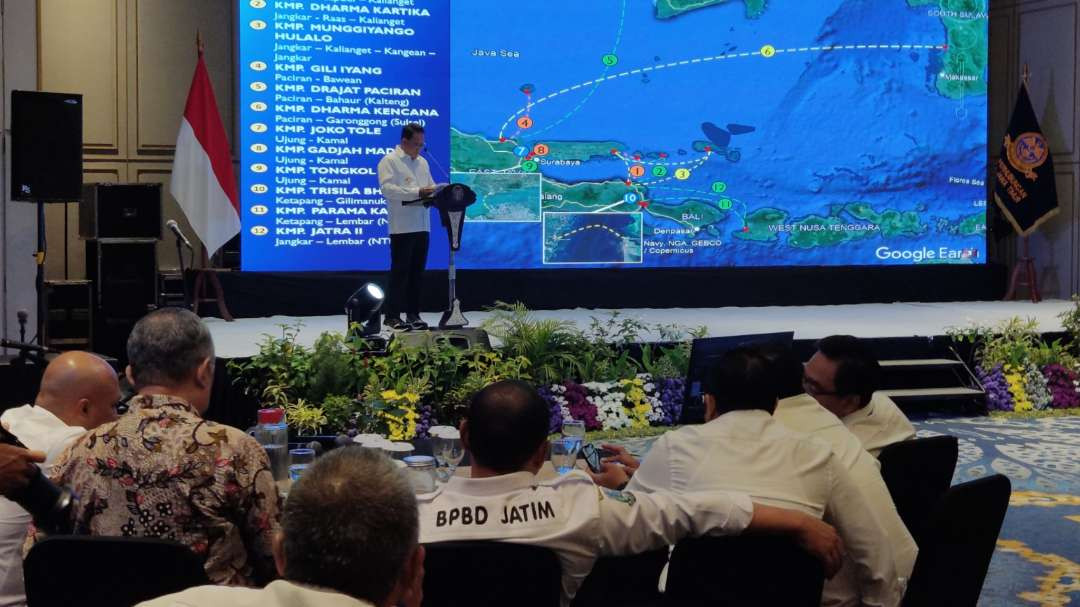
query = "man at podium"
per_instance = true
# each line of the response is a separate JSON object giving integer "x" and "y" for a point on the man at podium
{"x": 404, "y": 177}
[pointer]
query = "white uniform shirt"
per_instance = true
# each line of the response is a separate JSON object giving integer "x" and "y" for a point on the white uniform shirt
{"x": 804, "y": 414}
{"x": 750, "y": 452}
{"x": 279, "y": 593}
{"x": 40, "y": 430}
{"x": 400, "y": 179}
{"x": 573, "y": 517}
{"x": 879, "y": 424}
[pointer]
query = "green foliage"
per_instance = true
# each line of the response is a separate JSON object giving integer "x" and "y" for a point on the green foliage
{"x": 550, "y": 346}
{"x": 339, "y": 383}
{"x": 340, "y": 410}
{"x": 305, "y": 418}
{"x": 281, "y": 364}
{"x": 1013, "y": 343}
{"x": 1070, "y": 319}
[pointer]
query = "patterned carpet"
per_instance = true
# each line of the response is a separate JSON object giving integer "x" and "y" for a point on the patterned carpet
{"x": 1038, "y": 557}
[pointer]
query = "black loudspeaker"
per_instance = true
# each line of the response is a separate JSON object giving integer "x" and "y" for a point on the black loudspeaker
{"x": 125, "y": 277}
{"x": 125, "y": 210}
{"x": 46, "y": 146}
{"x": 70, "y": 317}
{"x": 463, "y": 339}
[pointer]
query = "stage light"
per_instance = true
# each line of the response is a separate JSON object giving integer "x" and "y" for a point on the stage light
{"x": 363, "y": 307}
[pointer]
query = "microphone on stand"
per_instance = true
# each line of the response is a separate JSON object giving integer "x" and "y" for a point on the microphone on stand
{"x": 172, "y": 225}
{"x": 23, "y": 317}
{"x": 437, "y": 165}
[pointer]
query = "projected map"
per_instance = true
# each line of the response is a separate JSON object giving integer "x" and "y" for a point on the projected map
{"x": 714, "y": 133}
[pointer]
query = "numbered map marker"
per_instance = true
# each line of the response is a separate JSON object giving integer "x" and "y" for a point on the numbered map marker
{"x": 258, "y": 106}
{"x": 637, "y": 170}
{"x": 258, "y": 24}
{"x": 258, "y": 87}
{"x": 260, "y": 230}
{"x": 258, "y": 66}
{"x": 259, "y": 148}
{"x": 610, "y": 59}
{"x": 725, "y": 203}
{"x": 530, "y": 166}
{"x": 719, "y": 187}
{"x": 631, "y": 198}
{"x": 259, "y": 188}
{"x": 659, "y": 171}
{"x": 768, "y": 51}
{"x": 525, "y": 122}
{"x": 258, "y": 3}
{"x": 540, "y": 149}
{"x": 258, "y": 127}
{"x": 259, "y": 167}
{"x": 521, "y": 151}
{"x": 260, "y": 209}
{"x": 682, "y": 174}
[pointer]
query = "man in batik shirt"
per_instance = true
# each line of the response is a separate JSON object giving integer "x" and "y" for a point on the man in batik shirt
{"x": 163, "y": 471}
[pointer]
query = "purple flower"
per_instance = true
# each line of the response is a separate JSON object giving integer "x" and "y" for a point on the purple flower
{"x": 996, "y": 387}
{"x": 1059, "y": 380}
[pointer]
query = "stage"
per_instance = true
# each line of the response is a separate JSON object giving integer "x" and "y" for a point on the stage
{"x": 902, "y": 319}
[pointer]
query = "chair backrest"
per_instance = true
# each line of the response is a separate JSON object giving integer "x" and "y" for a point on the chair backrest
{"x": 953, "y": 562}
{"x": 472, "y": 574}
{"x": 107, "y": 571}
{"x": 623, "y": 581}
{"x": 747, "y": 571}
{"x": 918, "y": 472}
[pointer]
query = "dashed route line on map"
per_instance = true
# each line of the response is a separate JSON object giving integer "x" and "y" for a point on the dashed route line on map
{"x": 592, "y": 91}
{"x": 766, "y": 51}
{"x": 592, "y": 226}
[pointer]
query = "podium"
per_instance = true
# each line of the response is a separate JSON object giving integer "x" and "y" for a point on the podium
{"x": 452, "y": 201}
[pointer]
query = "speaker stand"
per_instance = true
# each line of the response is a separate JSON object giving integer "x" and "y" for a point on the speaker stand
{"x": 39, "y": 281}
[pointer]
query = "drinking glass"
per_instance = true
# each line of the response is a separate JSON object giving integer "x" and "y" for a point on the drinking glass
{"x": 451, "y": 451}
{"x": 300, "y": 460}
{"x": 574, "y": 431}
{"x": 563, "y": 454}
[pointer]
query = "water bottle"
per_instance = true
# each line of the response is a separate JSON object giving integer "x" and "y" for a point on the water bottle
{"x": 273, "y": 434}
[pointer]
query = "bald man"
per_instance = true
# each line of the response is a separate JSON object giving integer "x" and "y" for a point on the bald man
{"x": 79, "y": 391}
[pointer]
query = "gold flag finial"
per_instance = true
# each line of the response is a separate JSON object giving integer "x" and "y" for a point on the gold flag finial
{"x": 1025, "y": 75}
{"x": 198, "y": 42}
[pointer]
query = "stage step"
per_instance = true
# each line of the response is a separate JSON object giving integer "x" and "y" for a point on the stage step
{"x": 920, "y": 362}
{"x": 932, "y": 393}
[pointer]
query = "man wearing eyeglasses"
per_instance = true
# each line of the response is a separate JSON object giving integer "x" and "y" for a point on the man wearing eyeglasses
{"x": 843, "y": 375}
{"x": 79, "y": 391}
{"x": 404, "y": 177}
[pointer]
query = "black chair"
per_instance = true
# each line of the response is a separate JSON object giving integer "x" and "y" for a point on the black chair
{"x": 623, "y": 581}
{"x": 474, "y": 574}
{"x": 918, "y": 472}
{"x": 107, "y": 571}
{"x": 743, "y": 571}
{"x": 953, "y": 562}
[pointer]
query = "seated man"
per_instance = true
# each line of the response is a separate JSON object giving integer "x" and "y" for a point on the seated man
{"x": 506, "y": 435}
{"x": 799, "y": 412}
{"x": 348, "y": 537}
{"x": 79, "y": 391}
{"x": 742, "y": 448}
{"x": 163, "y": 471}
{"x": 843, "y": 376}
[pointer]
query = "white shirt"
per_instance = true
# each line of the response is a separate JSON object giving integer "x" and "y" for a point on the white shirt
{"x": 40, "y": 430}
{"x": 573, "y": 517}
{"x": 804, "y": 414}
{"x": 279, "y": 593}
{"x": 879, "y": 424}
{"x": 750, "y": 452}
{"x": 400, "y": 179}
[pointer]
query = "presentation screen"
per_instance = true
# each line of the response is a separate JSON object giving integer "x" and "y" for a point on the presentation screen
{"x": 620, "y": 133}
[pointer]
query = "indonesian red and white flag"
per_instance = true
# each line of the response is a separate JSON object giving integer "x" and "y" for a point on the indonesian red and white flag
{"x": 202, "y": 178}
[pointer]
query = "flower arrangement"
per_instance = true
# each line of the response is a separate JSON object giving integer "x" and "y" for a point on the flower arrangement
{"x": 1022, "y": 372}
{"x": 400, "y": 414}
{"x": 635, "y": 403}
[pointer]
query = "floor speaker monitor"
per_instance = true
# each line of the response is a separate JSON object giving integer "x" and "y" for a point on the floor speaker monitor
{"x": 120, "y": 210}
